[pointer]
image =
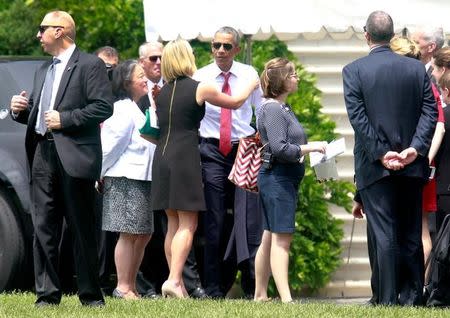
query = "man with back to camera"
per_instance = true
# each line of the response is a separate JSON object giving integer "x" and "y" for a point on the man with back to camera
{"x": 228, "y": 207}
{"x": 71, "y": 96}
{"x": 393, "y": 113}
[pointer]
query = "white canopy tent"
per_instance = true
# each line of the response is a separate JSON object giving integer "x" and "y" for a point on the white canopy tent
{"x": 287, "y": 19}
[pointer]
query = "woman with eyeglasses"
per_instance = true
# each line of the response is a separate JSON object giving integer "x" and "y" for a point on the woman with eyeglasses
{"x": 177, "y": 179}
{"x": 126, "y": 169}
{"x": 280, "y": 175}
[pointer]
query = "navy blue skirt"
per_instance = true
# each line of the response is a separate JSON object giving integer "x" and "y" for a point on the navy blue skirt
{"x": 278, "y": 191}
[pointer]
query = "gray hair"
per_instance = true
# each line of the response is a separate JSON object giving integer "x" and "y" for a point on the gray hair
{"x": 433, "y": 34}
{"x": 232, "y": 31}
{"x": 146, "y": 46}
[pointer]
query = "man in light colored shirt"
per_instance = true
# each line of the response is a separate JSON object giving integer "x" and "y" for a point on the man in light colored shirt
{"x": 150, "y": 60}
{"x": 429, "y": 40}
{"x": 222, "y": 198}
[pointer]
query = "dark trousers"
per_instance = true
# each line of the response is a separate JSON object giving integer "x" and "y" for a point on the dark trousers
{"x": 393, "y": 207}
{"x": 55, "y": 196}
{"x": 218, "y": 219}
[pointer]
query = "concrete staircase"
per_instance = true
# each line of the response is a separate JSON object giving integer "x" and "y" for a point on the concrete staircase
{"x": 325, "y": 54}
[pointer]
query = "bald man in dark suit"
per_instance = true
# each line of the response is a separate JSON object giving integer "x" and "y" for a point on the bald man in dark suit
{"x": 71, "y": 96}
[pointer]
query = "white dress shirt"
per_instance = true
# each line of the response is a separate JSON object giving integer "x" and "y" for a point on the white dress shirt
{"x": 125, "y": 152}
{"x": 59, "y": 70}
{"x": 241, "y": 75}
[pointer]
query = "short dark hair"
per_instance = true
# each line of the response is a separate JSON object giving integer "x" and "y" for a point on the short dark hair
{"x": 109, "y": 51}
{"x": 232, "y": 31}
{"x": 380, "y": 27}
{"x": 121, "y": 78}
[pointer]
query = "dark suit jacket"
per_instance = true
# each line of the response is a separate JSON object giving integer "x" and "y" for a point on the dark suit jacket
{"x": 391, "y": 107}
{"x": 443, "y": 159}
{"x": 84, "y": 100}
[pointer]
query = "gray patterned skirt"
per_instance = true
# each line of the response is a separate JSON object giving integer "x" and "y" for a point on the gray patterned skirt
{"x": 126, "y": 206}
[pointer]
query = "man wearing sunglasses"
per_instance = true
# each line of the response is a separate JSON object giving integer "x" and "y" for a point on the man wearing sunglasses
{"x": 227, "y": 206}
{"x": 71, "y": 96}
{"x": 150, "y": 60}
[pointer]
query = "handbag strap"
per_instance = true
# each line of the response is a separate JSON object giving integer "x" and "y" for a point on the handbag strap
{"x": 170, "y": 116}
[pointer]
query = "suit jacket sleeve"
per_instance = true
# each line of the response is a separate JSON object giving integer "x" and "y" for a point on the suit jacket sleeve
{"x": 98, "y": 98}
{"x": 427, "y": 122}
{"x": 354, "y": 101}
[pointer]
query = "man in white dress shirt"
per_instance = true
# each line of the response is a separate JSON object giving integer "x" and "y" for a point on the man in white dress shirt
{"x": 227, "y": 206}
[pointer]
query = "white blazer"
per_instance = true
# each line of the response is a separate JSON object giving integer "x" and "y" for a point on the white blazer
{"x": 125, "y": 152}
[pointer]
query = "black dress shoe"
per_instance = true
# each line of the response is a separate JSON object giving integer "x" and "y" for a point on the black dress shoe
{"x": 150, "y": 294}
{"x": 94, "y": 303}
{"x": 43, "y": 303}
{"x": 198, "y": 293}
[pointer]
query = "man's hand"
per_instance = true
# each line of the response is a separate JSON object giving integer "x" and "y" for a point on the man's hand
{"x": 357, "y": 210}
{"x": 408, "y": 155}
{"x": 392, "y": 160}
{"x": 19, "y": 102}
{"x": 52, "y": 119}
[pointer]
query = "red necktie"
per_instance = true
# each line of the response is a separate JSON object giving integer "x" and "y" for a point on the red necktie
{"x": 155, "y": 91}
{"x": 225, "y": 120}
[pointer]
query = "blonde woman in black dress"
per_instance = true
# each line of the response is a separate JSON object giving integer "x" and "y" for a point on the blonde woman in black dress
{"x": 177, "y": 180}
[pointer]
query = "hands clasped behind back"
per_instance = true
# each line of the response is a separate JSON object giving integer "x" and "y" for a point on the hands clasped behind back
{"x": 393, "y": 160}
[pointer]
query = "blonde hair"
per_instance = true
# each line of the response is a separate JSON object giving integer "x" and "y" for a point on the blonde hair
{"x": 273, "y": 78}
{"x": 65, "y": 20}
{"x": 177, "y": 60}
{"x": 444, "y": 82}
{"x": 405, "y": 46}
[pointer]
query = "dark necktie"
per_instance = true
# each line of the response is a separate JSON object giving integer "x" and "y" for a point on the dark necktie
{"x": 47, "y": 96}
{"x": 225, "y": 120}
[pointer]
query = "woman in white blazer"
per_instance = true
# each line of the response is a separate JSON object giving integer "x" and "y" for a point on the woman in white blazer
{"x": 126, "y": 170}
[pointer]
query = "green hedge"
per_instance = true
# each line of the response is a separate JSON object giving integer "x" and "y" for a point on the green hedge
{"x": 315, "y": 250}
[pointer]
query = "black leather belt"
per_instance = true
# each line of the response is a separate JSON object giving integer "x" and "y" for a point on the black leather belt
{"x": 48, "y": 136}
{"x": 215, "y": 141}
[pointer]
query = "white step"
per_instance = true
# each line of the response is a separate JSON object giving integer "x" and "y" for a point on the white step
{"x": 347, "y": 288}
{"x": 358, "y": 268}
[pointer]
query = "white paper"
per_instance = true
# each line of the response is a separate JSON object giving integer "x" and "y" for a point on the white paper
{"x": 334, "y": 148}
{"x": 326, "y": 170}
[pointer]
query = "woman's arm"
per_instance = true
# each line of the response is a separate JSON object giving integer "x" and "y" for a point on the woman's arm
{"x": 209, "y": 93}
{"x": 437, "y": 140}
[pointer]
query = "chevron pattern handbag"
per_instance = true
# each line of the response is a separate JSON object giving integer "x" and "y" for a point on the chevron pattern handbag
{"x": 246, "y": 166}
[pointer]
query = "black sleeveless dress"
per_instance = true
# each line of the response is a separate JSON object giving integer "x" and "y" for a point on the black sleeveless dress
{"x": 176, "y": 172}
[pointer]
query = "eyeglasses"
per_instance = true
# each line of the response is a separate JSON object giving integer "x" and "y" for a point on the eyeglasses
{"x": 154, "y": 58}
{"x": 43, "y": 28}
{"x": 364, "y": 28}
{"x": 226, "y": 46}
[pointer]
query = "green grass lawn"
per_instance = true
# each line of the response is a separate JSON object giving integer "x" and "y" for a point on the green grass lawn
{"x": 21, "y": 305}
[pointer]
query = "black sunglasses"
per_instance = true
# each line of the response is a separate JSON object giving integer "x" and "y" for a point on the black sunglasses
{"x": 226, "y": 46}
{"x": 43, "y": 28}
{"x": 364, "y": 28}
{"x": 154, "y": 58}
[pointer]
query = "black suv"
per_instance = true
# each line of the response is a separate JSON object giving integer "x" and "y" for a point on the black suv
{"x": 16, "y": 74}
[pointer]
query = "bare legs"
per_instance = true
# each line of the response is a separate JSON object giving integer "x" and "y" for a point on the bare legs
{"x": 273, "y": 256}
{"x": 128, "y": 256}
{"x": 180, "y": 234}
{"x": 426, "y": 239}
